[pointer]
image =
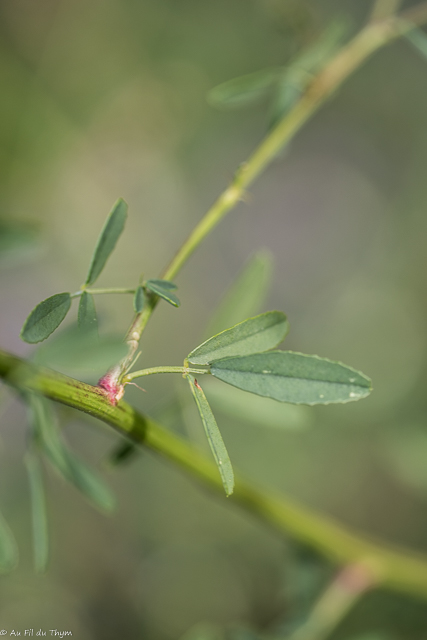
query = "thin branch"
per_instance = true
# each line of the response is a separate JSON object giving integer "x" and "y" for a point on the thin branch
{"x": 96, "y": 292}
{"x": 336, "y": 601}
{"x": 394, "y": 568}
{"x": 154, "y": 370}
{"x": 415, "y": 15}
{"x": 374, "y": 36}
{"x": 384, "y": 8}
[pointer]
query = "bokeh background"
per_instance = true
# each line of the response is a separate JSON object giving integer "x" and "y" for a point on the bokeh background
{"x": 107, "y": 98}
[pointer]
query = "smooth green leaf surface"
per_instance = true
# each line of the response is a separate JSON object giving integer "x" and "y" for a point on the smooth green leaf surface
{"x": 139, "y": 299}
{"x": 66, "y": 463}
{"x": 244, "y": 90}
{"x": 167, "y": 285}
{"x": 8, "y": 548}
{"x": 87, "y": 318}
{"x": 46, "y": 317}
{"x": 245, "y": 296}
{"x": 107, "y": 240}
{"x": 214, "y": 436}
{"x": 293, "y": 377}
{"x": 38, "y": 512}
{"x": 81, "y": 352}
{"x": 256, "y": 334}
{"x": 254, "y": 409}
{"x": 163, "y": 289}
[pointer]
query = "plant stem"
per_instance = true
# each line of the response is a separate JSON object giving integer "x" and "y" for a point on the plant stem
{"x": 384, "y": 8}
{"x": 336, "y": 601}
{"x": 371, "y": 38}
{"x": 97, "y": 292}
{"x": 397, "y": 569}
{"x": 148, "y": 372}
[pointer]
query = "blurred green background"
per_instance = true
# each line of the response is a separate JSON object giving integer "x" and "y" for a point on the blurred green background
{"x": 107, "y": 98}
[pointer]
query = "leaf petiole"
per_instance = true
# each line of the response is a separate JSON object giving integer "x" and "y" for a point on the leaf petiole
{"x": 95, "y": 292}
{"x": 148, "y": 372}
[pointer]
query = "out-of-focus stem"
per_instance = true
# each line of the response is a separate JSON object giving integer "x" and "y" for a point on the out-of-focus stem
{"x": 336, "y": 601}
{"x": 384, "y": 8}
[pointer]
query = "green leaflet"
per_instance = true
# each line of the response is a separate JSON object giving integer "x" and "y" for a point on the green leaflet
{"x": 256, "y": 334}
{"x": 139, "y": 299}
{"x": 87, "y": 318}
{"x": 45, "y": 318}
{"x": 243, "y": 90}
{"x": 107, "y": 240}
{"x": 245, "y": 296}
{"x": 8, "y": 548}
{"x": 38, "y": 512}
{"x": 166, "y": 285}
{"x": 293, "y": 377}
{"x": 163, "y": 289}
{"x": 214, "y": 436}
{"x": 65, "y": 462}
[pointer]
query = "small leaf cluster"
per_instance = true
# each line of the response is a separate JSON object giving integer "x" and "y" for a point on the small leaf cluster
{"x": 242, "y": 356}
{"x": 46, "y": 317}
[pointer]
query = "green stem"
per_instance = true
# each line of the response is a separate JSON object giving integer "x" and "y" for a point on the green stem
{"x": 384, "y": 8}
{"x": 97, "y": 292}
{"x": 153, "y": 370}
{"x": 397, "y": 569}
{"x": 374, "y": 36}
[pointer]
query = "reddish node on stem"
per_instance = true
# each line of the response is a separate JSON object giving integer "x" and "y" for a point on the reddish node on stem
{"x": 356, "y": 578}
{"x": 113, "y": 390}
